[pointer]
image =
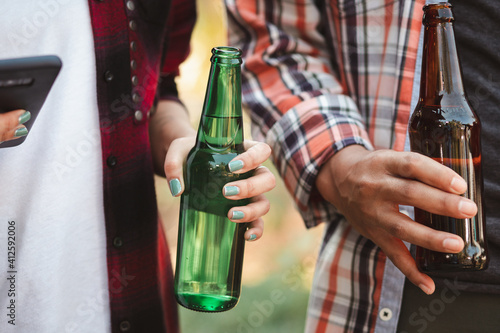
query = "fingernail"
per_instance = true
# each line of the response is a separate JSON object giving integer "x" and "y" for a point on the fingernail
{"x": 231, "y": 190}
{"x": 458, "y": 185}
{"x": 237, "y": 215}
{"x": 451, "y": 244}
{"x": 21, "y": 132}
{"x": 467, "y": 207}
{"x": 175, "y": 186}
{"x": 252, "y": 237}
{"x": 425, "y": 289}
{"x": 24, "y": 117}
{"x": 235, "y": 165}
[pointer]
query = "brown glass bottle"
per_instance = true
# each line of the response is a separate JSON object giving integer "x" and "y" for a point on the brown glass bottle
{"x": 445, "y": 128}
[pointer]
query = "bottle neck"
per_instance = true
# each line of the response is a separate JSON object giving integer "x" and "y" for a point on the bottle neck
{"x": 221, "y": 126}
{"x": 441, "y": 76}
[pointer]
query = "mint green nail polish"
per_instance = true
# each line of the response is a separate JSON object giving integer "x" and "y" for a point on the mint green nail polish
{"x": 24, "y": 117}
{"x": 235, "y": 165}
{"x": 231, "y": 190}
{"x": 238, "y": 215}
{"x": 175, "y": 186}
{"x": 21, "y": 132}
{"x": 252, "y": 237}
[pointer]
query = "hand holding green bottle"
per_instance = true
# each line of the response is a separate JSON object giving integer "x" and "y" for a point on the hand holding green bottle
{"x": 253, "y": 187}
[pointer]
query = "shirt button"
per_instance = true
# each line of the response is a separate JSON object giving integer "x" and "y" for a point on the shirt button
{"x": 138, "y": 116}
{"x": 136, "y": 97}
{"x": 117, "y": 242}
{"x": 385, "y": 314}
{"x": 112, "y": 161}
{"x": 135, "y": 80}
{"x": 132, "y": 25}
{"x": 133, "y": 65}
{"x": 108, "y": 76}
{"x": 125, "y": 326}
{"x": 133, "y": 46}
{"x": 130, "y": 5}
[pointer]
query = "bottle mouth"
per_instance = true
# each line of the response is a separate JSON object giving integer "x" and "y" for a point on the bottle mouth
{"x": 435, "y": 13}
{"x": 226, "y": 55}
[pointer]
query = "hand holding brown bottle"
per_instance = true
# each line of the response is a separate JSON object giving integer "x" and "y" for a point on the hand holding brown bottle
{"x": 368, "y": 186}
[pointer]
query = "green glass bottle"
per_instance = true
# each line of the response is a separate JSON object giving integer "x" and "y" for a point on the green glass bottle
{"x": 210, "y": 246}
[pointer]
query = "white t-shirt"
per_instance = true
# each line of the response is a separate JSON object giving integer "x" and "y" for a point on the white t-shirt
{"x": 51, "y": 185}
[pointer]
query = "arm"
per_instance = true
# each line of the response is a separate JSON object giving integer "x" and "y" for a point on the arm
{"x": 170, "y": 120}
{"x": 172, "y": 136}
{"x": 298, "y": 102}
{"x": 301, "y": 103}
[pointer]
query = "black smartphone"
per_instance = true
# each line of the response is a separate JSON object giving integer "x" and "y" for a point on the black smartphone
{"x": 25, "y": 84}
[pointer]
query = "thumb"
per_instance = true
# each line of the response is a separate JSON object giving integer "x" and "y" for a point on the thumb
{"x": 174, "y": 160}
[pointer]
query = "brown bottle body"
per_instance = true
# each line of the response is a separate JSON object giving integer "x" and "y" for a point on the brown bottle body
{"x": 445, "y": 128}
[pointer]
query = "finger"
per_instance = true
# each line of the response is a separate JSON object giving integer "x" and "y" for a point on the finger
{"x": 397, "y": 252}
{"x": 255, "y": 230}
{"x": 15, "y": 133}
{"x": 262, "y": 181}
{"x": 426, "y": 170}
{"x": 258, "y": 208}
{"x": 256, "y": 154}
{"x": 19, "y": 131}
{"x": 402, "y": 227}
{"x": 10, "y": 122}
{"x": 176, "y": 154}
{"x": 414, "y": 193}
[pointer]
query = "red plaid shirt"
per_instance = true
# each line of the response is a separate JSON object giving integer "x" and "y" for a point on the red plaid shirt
{"x": 139, "y": 45}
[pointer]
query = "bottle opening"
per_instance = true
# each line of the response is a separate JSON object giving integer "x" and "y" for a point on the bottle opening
{"x": 437, "y": 13}
{"x": 226, "y": 55}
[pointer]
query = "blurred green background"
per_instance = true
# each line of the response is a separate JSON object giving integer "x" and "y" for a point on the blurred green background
{"x": 278, "y": 268}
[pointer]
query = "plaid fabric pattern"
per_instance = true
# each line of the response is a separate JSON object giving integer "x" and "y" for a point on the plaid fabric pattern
{"x": 131, "y": 43}
{"x": 319, "y": 76}
{"x": 347, "y": 284}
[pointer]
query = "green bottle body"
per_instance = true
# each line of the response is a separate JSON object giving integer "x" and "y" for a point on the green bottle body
{"x": 210, "y": 247}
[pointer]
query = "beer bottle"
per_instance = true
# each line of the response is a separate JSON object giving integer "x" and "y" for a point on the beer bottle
{"x": 210, "y": 246}
{"x": 445, "y": 128}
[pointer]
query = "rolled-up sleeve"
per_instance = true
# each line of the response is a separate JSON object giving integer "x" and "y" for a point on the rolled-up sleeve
{"x": 295, "y": 94}
{"x": 181, "y": 21}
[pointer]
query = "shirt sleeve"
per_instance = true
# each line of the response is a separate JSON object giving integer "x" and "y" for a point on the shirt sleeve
{"x": 180, "y": 24}
{"x": 295, "y": 92}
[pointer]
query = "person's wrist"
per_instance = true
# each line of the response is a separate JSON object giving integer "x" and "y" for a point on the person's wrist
{"x": 336, "y": 169}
